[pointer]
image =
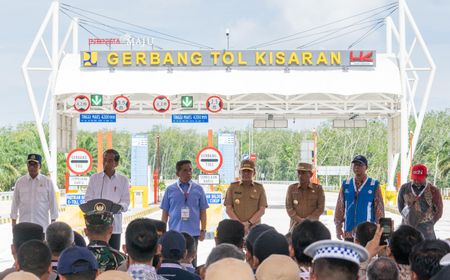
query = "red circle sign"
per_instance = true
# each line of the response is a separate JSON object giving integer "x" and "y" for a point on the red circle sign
{"x": 121, "y": 104}
{"x": 214, "y": 104}
{"x": 161, "y": 104}
{"x": 209, "y": 160}
{"x": 82, "y": 103}
{"x": 79, "y": 161}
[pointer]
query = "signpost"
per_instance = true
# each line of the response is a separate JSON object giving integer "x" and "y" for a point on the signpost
{"x": 187, "y": 102}
{"x": 82, "y": 103}
{"x": 161, "y": 104}
{"x": 98, "y": 118}
{"x": 209, "y": 160}
{"x": 79, "y": 161}
{"x": 96, "y": 100}
{"x": 74, "y": 199}
{"x": 190, "y": 118}
{"x": 121, "y": 104}
{"x": 209, "y": 179}
{"x": 214, "y": 104}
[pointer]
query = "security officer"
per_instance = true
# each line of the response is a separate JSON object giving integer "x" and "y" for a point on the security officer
{"x": 246, "y": 200}
{"x": 304, "y": 200}
{"x": 98, "y": 215}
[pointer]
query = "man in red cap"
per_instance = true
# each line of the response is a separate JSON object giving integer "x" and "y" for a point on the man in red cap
{"x": 420, "y": 203}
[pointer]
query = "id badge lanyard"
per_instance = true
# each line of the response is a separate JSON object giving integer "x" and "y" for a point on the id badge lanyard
{"x": 185, "y": 208}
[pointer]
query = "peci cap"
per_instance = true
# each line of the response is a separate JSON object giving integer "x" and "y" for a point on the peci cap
{"x": 99, "y": 211}
{"x": 35, "y": 158}
{"x": 360, "y": 159}
{"x": 336, "y": 249}
{"x": 419, "y": 172}
{"x": 247, "y": 165}
{"x": 303, "y": 166}
{"x": 114, "y": 275}
{"x": 229, "y": 268}
{"x": 68, "y": 258}
{"x": 21, "y": 275}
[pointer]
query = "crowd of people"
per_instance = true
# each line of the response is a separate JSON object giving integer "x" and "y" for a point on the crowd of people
{"x": 245, "y": 247}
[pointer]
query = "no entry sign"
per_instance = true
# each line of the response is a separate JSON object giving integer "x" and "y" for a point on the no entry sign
{"x": 209, "y": 160}
{"x": 79, "y": 161}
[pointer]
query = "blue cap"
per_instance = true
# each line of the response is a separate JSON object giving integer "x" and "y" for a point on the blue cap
{"x": 34, "y": 157}
{"x": 173, "y": 244}
{"x": 360, "y": 159}
{"x": 71, "y": 255}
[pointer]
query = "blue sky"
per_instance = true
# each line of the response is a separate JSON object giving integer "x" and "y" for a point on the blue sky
{"x": 205, "y": 21}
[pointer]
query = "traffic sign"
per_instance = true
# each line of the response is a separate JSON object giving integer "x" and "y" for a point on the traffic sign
{"x": 105, "y": 118}
{"x": 209, "y": 179}
{"x": 214, "y": 198}
{"x": 190, "y": 118}
{"x": 161, "y": 104}
{"x": 252, "y": 157}
{"x": 79, "y": 161}
{"x": 121, "y": 104}
{"x": 78, "y": 180}
{"x": 96, "y": 100}
{"x": 214, "y": 104}
{"x": 75, "y": 199}
{"x": 209, "y": 160}
{"x": 82, "y": 103}
{"x": 187, "y": 102}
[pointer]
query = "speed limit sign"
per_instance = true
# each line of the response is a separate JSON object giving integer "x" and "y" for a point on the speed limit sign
{"x": 121, "y": 104}
{"x": 161, "y": 104}
{"x": 82, "y": 103}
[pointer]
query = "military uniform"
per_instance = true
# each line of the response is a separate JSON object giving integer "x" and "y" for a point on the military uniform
{"x": 100, "y": 212}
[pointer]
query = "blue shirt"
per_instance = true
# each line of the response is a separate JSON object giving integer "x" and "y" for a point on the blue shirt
{"x": 174, "y": 200}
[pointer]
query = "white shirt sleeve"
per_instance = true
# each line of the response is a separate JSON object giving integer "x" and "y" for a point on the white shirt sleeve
{"x": 90, "y": 189}
{"x": 53, "y": 205}
{"x": 15, "y": 202}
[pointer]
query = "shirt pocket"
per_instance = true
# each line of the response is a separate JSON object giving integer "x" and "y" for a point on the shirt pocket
{"x": 42, "y": 194}
{"x": 312, "y": 200}
{"x": 25, "y": 195}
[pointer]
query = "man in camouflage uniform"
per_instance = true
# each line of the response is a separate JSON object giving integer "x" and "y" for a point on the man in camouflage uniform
{"x": 246, "y": 200}
{"x": 98, "y": 215}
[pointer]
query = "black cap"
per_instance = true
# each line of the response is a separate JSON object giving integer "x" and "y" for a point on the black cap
{"x": 34, "y": 157}
{"x": 99, "y": 211}
{"x": 360, "y": 159}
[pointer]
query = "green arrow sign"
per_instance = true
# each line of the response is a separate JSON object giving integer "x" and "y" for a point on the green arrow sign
{"x": 96, "y": 100}
{"x": 187, "y": 102}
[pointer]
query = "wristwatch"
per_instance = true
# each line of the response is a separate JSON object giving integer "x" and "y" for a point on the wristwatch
{"x": 203, "y": 230}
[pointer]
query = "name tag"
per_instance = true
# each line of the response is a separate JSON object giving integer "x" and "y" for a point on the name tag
{"x": 184, "y": 213}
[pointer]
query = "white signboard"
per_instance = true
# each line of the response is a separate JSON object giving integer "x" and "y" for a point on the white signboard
{"x": 208, "y": 179}
{"x": 78, "y": 180}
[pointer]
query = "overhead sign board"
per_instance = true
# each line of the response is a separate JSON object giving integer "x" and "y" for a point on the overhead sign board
{"x": 214, "y": 104}
{"x": 82, "y": 103}
{"x": 209, "y": 160}
{"x": 96, "y": 100}
{"x": 79, "y": 180}
{"x": 121, "y": 104}
{"x": 190, "y": 118}
{"x": 79, "y": 161}
{"x": 161, "y": 104}
{"x": 98, "y": 118}
{"x": 75, "y": 199}
{"x": 259, "y": 59}
{"x": 209, "y": 179}
{"x": 187, "y": 102}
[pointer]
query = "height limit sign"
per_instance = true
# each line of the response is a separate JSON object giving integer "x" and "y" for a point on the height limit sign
{"x": 209, "y": 160}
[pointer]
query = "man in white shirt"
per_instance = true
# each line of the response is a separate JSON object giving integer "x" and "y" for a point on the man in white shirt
{"x": 112, "y": 186}
{"x": 34, "y": 197}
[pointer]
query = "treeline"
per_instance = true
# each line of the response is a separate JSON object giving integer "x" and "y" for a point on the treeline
{"x": 278, "y": 150}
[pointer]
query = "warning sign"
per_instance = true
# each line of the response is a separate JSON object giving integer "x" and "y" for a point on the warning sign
{"x": 79, "y": 161}
{"x": 121, "y": 104}
{"x": 209, "y": 160}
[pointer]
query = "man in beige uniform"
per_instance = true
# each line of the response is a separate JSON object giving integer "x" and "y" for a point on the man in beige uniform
{"x": 246, "y": 200}
{"x": 304, "y": 200}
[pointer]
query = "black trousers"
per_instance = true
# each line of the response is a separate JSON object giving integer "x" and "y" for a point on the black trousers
{"x": 114, "y": 241}
{"x": 194, "y": 261}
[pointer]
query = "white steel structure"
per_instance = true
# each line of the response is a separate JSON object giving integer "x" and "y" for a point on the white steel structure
{"x": 388, "y": 91}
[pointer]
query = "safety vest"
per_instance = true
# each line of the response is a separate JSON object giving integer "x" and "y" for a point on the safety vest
{"x": 359, "y": 206}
